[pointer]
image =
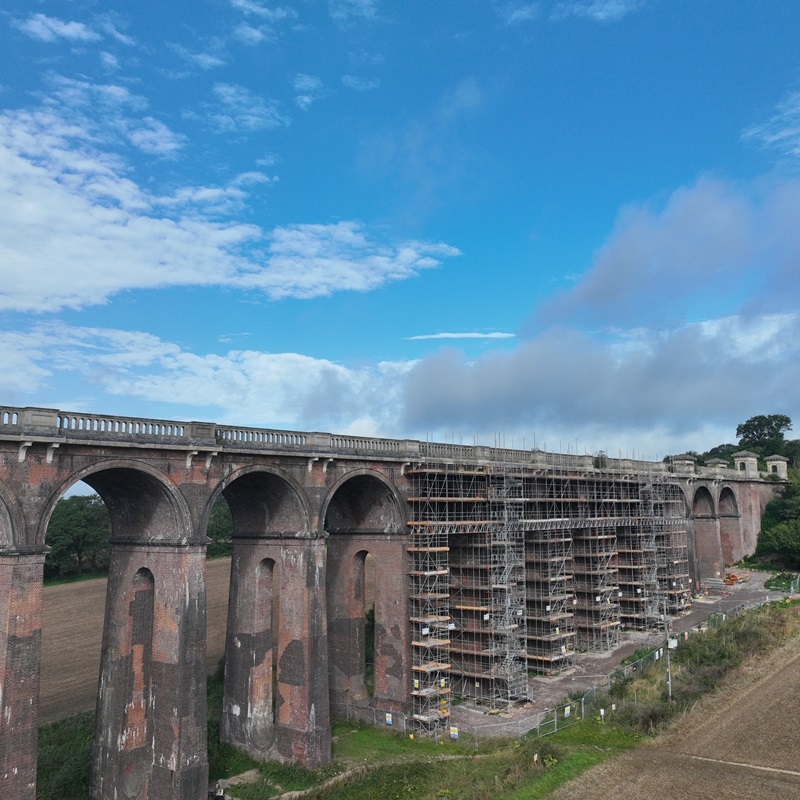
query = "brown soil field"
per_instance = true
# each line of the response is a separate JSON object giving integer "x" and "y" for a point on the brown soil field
{"x": 72, "y": 634}
{"x": 742, "y": 743}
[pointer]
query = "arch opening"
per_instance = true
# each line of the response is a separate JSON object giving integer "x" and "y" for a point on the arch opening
{"x": 363, "y": 504}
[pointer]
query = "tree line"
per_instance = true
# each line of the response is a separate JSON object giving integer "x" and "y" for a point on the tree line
{"x": 80, "y": 529}
{"x": 765, "y": 435}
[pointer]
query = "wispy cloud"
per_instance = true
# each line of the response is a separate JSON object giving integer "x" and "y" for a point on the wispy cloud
{"x": 155, "y": 138}
{"x": 461, "y": 336}
{"x": 514, "y": 13}
{"x": 342, "y": 10}
{"x": 107, "y": 113}
{"x": 360, "y": 84}
{"x": 73, "y": 210}
{"x": 308, "y": 87}
{"x": 426, "y": 153}
{"x": 49, "y": 29}
{"x": 204, "y": 60}
{"x": 598, "y": 10}
{"x": 237, "y": 109}
{"x": 782, "y": 131}
{"x": 113, "y": 26}
{"x": 316, "y": 260}
{"x": 254, "y": 8}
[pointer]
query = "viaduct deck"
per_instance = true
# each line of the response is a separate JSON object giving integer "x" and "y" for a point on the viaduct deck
{"x": 309, "y": 509}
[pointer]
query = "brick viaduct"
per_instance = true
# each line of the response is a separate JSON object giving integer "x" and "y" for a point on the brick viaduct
{"x": 307, "y": 509}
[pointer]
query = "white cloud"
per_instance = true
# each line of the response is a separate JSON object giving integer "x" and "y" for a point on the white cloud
{"x": 599, "y": 10}
{"x": 306, "y": 83}
{"x": 513, "y": 13}
{"x": 360, "y": 84}
{"x": 110, "y": 24}
{"x": 646, "y": 392}
{"x": 251, "y": 7}
{"x": 240, "y": 386}
{"x": 109, "y": 61}
{"x": 72, "y": 93}
{"x": 48, "y": 29}
{"x": 782, "y": 131}
{"x": 70, "y": 209}
{"x": 153, "y": 137}
{"x": 308, "y": 261}
{"x": 342, "y": 10}
{"x": 237, "y": 109}
{"x": 461, "y": 336}
{"x": 203, "y": 60}
{"x": 309, "y": 88}
{"x": 249, "y": 35}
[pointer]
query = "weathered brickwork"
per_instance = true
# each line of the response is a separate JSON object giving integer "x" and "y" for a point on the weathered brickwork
{"x": 20, "y": 648}
{"x": 310, "y": 512}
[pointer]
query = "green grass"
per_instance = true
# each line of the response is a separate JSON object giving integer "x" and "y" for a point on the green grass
{"x": 65, "y": 751}
{"x": 399, "y": 767}
{"x": 781, "y": 582}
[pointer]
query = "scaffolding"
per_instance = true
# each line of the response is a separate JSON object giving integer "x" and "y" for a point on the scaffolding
{"x": 430, "y": 623}
{"x": 507, "y": 599}
{"x": 480, "y": 512}
{"x": 670, "y": 519}
{"x": 596, "y": 604}
{"x": 549, "y": 615}
{"x": 515, "y": 567}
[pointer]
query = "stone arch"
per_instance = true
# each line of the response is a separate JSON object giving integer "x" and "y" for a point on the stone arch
{"x": 363, "y": 517}
{"x": 363, "y": 502}
{"x": 675, "y": 496}
{"x": 263, "y": 503}
{"x": 12, "y": 525}
{"x": 275, "y": 701}
{"x": 728, "y": 505}
{"x": 730, "y": 532}
{"x": 708, "y": 547}
{"x": 143, "y": 505}
{"x": 703, "y": 503}
{"x": 154, "y": 626}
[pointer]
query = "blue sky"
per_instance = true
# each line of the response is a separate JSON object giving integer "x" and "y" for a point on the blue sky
{"x": 571, "y": 223}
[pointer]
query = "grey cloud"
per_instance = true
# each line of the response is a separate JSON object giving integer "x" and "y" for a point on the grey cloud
{"x": 714, "y": 248}
{"x": 678, "y": 380}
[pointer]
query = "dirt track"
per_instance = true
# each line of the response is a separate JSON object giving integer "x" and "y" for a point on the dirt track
{"x": 73, "y": 631}
{"x": 740, "y": 744}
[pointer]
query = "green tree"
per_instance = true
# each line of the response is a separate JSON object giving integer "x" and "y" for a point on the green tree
{"x": 780, "y": 526}
{"x": 220, "y": 527}
{"x": 764, "y": 433}
{"x": 724, "y": 451}
{"x": 784, "y": 541}
{"x": 78, "y": 536}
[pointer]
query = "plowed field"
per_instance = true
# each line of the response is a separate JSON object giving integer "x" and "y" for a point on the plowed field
{"x": 72, "y": 634}
{"x": 741, "y": 744}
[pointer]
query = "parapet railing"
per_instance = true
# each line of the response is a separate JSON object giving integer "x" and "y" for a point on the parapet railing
{"x": 40, "y": 424}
